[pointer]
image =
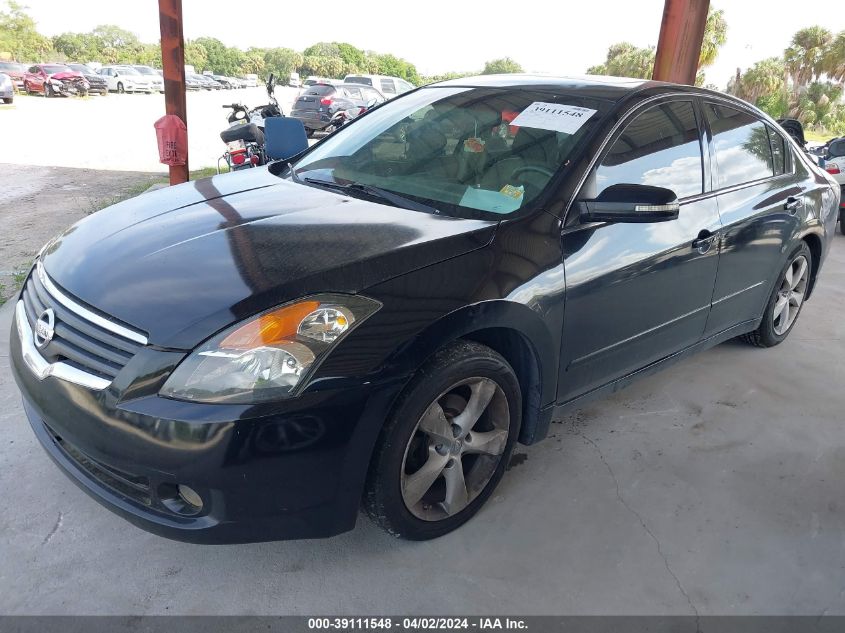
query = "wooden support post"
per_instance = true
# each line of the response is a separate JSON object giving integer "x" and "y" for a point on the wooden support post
{"x": 173, "y": 65}
{"x": 681, "y": 35}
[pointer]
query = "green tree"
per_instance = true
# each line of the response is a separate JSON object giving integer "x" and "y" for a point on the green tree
{"x": 19, "y": 36}
{"x": 715, "y": 36}
{"x": 282, "y": 62}
{"x": 221, "y": 59}
{"x": 833, "y": 60}
{"x": 82, "y": 47}
{"x": 196, "y": 55}
{"x": 502, "y": 66}
{"x": 111, "y": 36}
{"x": 805, "y": 57}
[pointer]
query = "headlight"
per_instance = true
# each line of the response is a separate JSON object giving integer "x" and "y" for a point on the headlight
{"x": 267, "y": 356}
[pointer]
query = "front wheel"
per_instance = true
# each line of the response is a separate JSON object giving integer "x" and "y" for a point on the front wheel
{"x": 447, "y": 443}
{"x": 786, "y": 300}
{"x": 842, "y": 222}
{"x": 48, "y": 91}
{"x": 120, "y": 89}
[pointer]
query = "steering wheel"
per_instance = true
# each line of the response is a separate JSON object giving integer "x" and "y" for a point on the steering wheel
{"x": 534, "y": 169}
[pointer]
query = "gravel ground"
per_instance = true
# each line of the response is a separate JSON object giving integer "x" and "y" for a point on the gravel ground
{"x": 36, "y": 203}
{"x": 116, "y": 132}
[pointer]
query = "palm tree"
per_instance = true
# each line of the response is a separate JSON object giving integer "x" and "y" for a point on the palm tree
{"x": 763, "y": 78}
{"x": 715, "y": 36}
{"x": 833, "y": 62}
{"x": 805, "y": 56}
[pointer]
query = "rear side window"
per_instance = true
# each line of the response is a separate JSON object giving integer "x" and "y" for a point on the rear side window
{"x": 743, "y": 150}
{"x": 388, "y": 87}
{"x": 661, "y": 148}
{"x": 320, "y": 90}
{"x": 778, "y": 151}
{"x": 354, "y": 79}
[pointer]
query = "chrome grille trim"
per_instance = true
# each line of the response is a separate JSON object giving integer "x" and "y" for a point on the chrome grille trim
{"x": 41, "y": 368}
{"x": 85, "y": 313}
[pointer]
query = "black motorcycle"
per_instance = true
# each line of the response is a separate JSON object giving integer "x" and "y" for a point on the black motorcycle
{"x": 244, "y": 137}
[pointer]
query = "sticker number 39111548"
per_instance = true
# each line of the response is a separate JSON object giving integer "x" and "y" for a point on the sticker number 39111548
{"x": 553, "y": 116}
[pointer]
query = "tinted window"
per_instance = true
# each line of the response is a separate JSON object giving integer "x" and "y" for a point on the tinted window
{"x": 660, "y": 147}
{"x": 355, "y": 79}
{"x": 743, "y": 151}
{"x": 778, "y": 151}
{"x": 837, "y": 149}
{"x": 388, "y": 87}
{"x": 319, "y": 89}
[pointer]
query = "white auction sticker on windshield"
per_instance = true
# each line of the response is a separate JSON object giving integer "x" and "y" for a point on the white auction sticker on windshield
{"x": 553, "y": 116}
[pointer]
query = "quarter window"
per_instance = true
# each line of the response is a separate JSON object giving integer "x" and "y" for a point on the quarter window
{"x": 388, "y": 87}
{"x": 661, "y": 148}
{"x": 743, "y": 150}
{"x": 778, "y": 151}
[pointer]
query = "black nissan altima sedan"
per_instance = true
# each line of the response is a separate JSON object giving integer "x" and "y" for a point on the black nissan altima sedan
{"x": 379, "y": 318}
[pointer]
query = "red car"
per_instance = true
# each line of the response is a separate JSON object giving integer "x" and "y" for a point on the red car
{"x": 15, "y": 72}
{"x": 54, "y": 79}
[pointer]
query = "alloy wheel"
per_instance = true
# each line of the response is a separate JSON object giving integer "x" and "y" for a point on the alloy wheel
{"x": 791, "y": 295}
{"x": 455, "y": 449}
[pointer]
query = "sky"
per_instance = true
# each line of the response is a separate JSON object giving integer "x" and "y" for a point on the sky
{"x": 552, "y": 36}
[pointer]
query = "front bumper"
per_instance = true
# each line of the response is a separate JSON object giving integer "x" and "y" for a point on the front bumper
{"x": 271, "y": 472}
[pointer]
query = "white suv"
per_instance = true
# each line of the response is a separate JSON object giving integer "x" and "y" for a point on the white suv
{"x": 389, "y": 86}
{"x": 126, "y": 79}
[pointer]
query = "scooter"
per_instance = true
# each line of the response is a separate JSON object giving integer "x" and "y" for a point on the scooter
{"x": 244, "y": 137}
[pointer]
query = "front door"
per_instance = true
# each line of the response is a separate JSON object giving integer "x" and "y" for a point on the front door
{"x": 636, "y": 293}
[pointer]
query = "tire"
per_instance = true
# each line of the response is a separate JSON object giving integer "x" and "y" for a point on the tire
{"x": 48, "y": 91}
{"x": 120, "y": 89}
{"x": 398, "y": 496}
{"x": 26, "y": 88}
{"x": 8, "y": 100}
{"x": 777, "y": 324}
{"x": 842, "y": 222}
{"x": 309, "y": 132}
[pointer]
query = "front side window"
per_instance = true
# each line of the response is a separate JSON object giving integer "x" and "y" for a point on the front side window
{"x": 743, "y": 150}
{"x": 660, "y": 148}
{"x": 454, "y": 150}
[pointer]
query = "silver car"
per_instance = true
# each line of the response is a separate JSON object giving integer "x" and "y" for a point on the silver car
{"x": 7, "y": 88}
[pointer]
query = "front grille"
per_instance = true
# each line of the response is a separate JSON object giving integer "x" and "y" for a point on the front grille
{"x": 77, "y": 340}
{"x": 132, "y": 486}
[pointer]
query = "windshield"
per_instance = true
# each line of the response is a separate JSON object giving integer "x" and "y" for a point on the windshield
{"x": 52, "y": 69}
{"x": 80, "y": 68}
{"x": 126, "y": 70}
{"x": 11, "y": 66}
{"x": 145, "y": 70}
{"x": 467, "y": 152}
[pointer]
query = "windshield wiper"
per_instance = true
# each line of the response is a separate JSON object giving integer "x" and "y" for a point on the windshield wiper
{"x": 376, "y": 192}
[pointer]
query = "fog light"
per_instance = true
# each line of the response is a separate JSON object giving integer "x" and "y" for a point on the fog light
{"x": 190, "y": 496}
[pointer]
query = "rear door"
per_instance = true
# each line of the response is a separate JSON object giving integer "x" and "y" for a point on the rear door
{"x": 636, "y": 293}
{"x": 760, "y": 189}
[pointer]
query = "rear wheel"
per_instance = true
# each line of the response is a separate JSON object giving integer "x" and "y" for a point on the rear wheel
{"x": 842, "y": 222}
{"x": 120, "y": 89}
{"x": 8, "y": 100}
{"x": 786, "y": 300}
{"x": 447, "y": 443}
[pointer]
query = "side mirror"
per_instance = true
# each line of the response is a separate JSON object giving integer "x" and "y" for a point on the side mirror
{"x": 631, "y": 204}
{"x": 284, "y": 137}
{"x": 372, "y": 103}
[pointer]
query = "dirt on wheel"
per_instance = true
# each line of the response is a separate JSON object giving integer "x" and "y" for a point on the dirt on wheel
{"x": 37, "y": 203}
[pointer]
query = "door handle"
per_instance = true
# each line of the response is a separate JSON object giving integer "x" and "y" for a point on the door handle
{"x": 704, "y": 242}
{"x": 792, "y": 204}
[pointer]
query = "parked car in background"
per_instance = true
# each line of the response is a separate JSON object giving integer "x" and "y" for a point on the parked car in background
{"x": 313, "y": 79}
{"x": 251, "y": 80}
{"x": 7, "y": 89}
{"x": 318, "y": 104}
{"x": 53, "y": 80}
{"x": 126, "y": 79}
{"x": 96, "y": 82}
{"x": 832, "y": 160}
{"x": 294, "y": 81}
{"x": 15, "y": 71}
{"x": 156, "y": 80}
{"x": 225, "y": 82}
{"x": 389, "y": 86}
{"x": 192, "y": 84}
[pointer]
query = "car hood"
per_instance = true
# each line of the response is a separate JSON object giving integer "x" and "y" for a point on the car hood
{"x": 67, "y": 75}
{"x": 183, "y": 262}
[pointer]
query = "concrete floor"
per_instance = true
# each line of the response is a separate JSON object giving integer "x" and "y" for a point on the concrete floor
{"x": 715, "y": 487}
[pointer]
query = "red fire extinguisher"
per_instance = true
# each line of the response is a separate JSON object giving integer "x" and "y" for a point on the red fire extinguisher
{"x": 172, "y": 136}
